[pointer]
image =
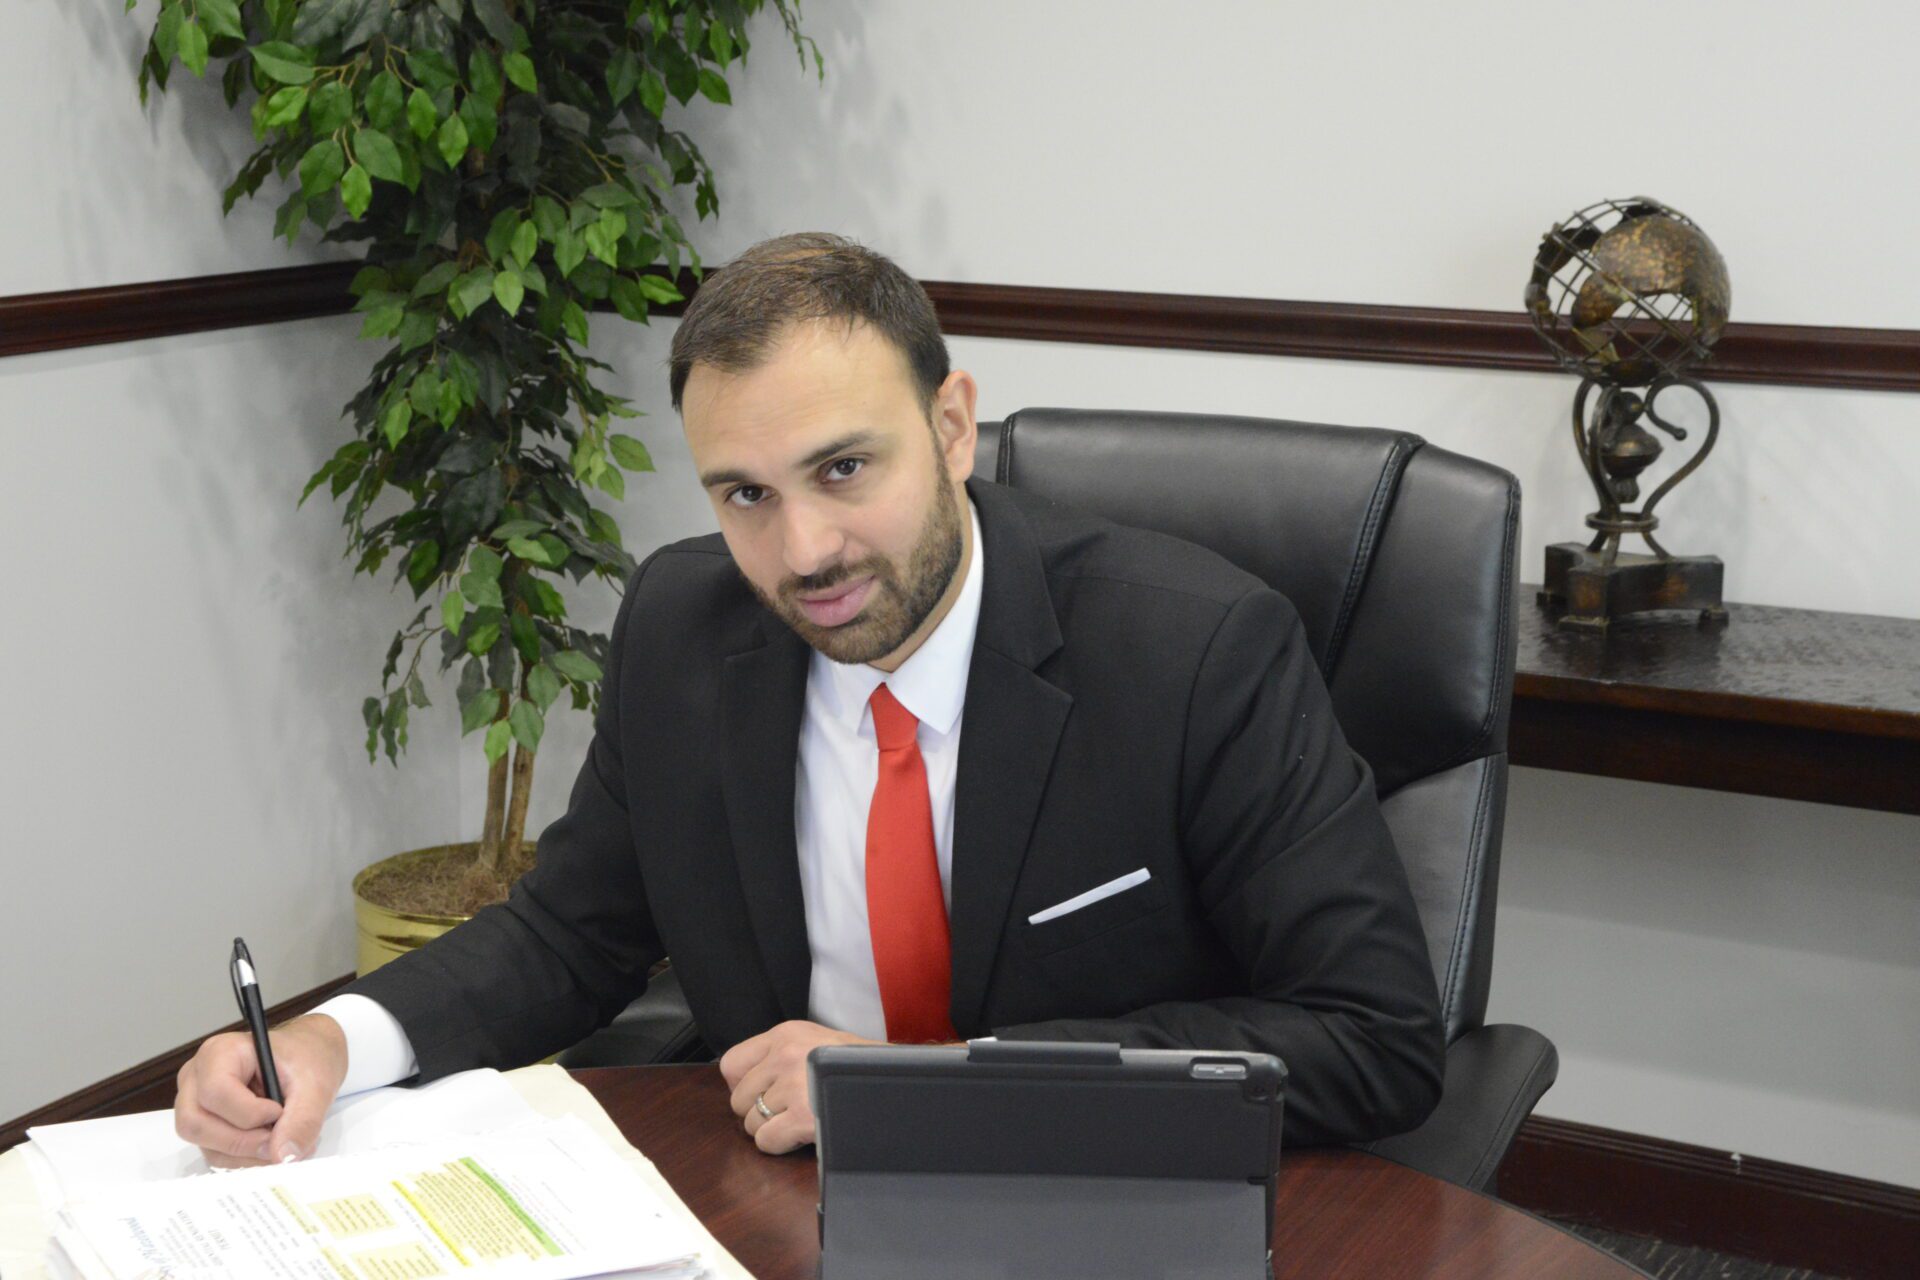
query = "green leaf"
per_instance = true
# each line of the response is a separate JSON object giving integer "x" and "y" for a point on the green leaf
{"x": 613, "y": 483}
{"x": 483, "y": 76}
{"x": 629, "y": 453}
{"x": 220, "y": 17}
{"x": 575, "y": 665}
{"x": 376, "y": 152}
{"x": 542, "y": 597}
{"x": 287, "y": 63}
{"x": 393, "y": 423}
{"x": 498, "y": 737}
{"x": 526, "y": 638}
{"x": 519, "y": 69}
{"x": 569, "y": 251}
{"x": 659, "y": 289}
{"x": 416, "y": 330}
{"x": 525, "y": 241}
{"x": 603, "y": 236}
{"x": 437, "y": 278}
{"x": 528, "y": 724}
{"x": 483, "y": 123}
{"x": 493, "y": 16}
{"x": 543, "y": 685}
{"x": 285, "y": 106}
{"x": 549, "y": 219}
{"x": 452, "y": 140}
{"x": 356, "y": 191}
{"x": 384, "y": 320}
{"x": 479, "y": 709}
{"x": 508, "y": 290}
{"x": 424, "y": 393}
{"x": 623, "y": 75}
{"x": 653, "y": 93}
{"x": 481, "y": 593}
{"x": 628, "y": 300}
{"x": 193, "y": 47}
{"x": 500, "y": 233}
{"x": 472, "y": 290}
{"x": 385, "y": 101}
{"x": 714, "y": 86}
{"x": 453, "y": 611}
{"x": 321, "y": 167}
{"x": 486, "y": 564}
{"x": 527, "y": 549}
{"x": 574, "y": 321}
{"x": 483, "y": 638}
{"x": 421, "y": 564}
{"x": 331, "y": 107}
{"x": 421, "y": 117}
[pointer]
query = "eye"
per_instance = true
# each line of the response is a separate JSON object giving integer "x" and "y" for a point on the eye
{"x": 844, "y": 468}
{"x": 747, "y": 495}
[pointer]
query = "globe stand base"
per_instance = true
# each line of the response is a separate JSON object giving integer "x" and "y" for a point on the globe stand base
{"x": 1594, "y": 590}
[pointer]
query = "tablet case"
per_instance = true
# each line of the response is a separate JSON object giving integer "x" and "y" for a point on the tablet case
{"x": 1022, "y": 1159}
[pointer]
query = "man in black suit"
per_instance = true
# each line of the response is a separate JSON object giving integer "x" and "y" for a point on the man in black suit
{"x": 1151, "y": 831}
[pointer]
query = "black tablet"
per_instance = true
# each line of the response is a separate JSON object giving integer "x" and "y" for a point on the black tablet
{"x": 1027, "y": 1158}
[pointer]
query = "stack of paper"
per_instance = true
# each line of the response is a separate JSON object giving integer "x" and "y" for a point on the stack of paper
{"x": 409, "y": 1183}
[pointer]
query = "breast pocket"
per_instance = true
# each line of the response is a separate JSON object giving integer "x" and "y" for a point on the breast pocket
{"x": 1098, "y": 910}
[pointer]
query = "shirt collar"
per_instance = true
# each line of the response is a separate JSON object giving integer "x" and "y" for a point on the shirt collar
{"x": 932, "y": 682}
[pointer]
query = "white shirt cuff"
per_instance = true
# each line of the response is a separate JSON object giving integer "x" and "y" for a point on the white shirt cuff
{"x": 378, "y": 1051}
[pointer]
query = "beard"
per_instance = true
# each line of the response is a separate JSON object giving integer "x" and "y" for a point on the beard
{"x": 900, "y": 599}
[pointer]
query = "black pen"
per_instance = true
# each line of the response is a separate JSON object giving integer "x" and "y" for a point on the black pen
{"x": 246, "y": 989}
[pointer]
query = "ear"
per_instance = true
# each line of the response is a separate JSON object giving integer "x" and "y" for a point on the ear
{"x": 954, "y": 425}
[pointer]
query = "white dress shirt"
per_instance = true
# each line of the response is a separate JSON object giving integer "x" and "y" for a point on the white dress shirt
{"x": 837, "y": 765}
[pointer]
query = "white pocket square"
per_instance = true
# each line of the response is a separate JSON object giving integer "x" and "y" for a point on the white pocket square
{"x": 1090, "y": 897}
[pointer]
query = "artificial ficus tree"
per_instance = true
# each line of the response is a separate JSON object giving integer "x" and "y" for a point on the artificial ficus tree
{"x": 506, "y": 165}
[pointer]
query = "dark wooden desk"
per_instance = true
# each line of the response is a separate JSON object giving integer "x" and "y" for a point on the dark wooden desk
{"x": 1339, "y": 1213}
{"x": 1797, "y": 703}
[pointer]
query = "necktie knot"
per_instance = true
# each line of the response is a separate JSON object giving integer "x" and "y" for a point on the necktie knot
{"x": 894, "y": 727}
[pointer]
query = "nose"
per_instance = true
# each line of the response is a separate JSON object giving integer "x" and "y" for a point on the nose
{"x": 811, "y": 540}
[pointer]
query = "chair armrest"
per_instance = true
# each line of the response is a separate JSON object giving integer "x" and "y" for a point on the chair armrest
{"x": 1494, "y": 1076}
{"x": 658, "y": 1027}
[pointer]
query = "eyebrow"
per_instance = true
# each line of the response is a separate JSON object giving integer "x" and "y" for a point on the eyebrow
{"x": 855, "y": 440}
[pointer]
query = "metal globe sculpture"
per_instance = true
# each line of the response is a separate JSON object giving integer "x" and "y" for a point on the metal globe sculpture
{"x": 1629, "y": 294}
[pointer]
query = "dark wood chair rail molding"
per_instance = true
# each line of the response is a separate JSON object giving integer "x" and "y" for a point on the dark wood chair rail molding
{"x": 1791, "y": 355}
{"x": 1619, "y": 1181}
{"x": 1780, "y": 1213}
{"x": 1800, "y": 704}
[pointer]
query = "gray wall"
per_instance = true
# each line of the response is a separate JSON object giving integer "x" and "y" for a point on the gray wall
{"x": 186, "y": 763}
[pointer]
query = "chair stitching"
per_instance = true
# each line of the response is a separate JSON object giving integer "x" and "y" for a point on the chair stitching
{"x": 1377, "y": 506}
{"x": 1467, "y": 898}
{"x": 1485, "y": 734}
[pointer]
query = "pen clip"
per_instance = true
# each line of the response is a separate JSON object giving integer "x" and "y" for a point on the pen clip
{"x": 241, "y": 956}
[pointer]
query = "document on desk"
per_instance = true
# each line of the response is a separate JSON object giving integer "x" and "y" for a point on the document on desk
{"x": 544, "y": 1201}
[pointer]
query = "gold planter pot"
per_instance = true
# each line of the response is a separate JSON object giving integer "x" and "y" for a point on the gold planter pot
{"x": 382, "y": 933}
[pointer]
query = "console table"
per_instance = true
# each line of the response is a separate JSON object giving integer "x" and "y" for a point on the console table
{"x": 1797, "y": 703}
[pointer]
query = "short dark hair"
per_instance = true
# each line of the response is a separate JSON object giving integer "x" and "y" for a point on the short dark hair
{"x": 742, "y": 310}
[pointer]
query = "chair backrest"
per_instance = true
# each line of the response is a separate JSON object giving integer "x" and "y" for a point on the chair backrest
{"x": 1399, "y": 557}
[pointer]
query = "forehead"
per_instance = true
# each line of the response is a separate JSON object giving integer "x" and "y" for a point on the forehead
{"x": 818, "y": 379}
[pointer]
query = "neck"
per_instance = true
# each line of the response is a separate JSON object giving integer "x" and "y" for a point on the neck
{"x": 892, "y": 661}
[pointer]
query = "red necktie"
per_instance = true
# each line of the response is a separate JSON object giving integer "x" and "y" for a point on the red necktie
{"x": 912, "y": 953}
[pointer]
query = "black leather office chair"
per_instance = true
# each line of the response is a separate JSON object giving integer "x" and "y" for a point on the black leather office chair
{"x": 1399, "y": 557}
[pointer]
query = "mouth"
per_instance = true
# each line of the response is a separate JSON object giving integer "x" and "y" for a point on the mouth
{"x": 838, "y": 606}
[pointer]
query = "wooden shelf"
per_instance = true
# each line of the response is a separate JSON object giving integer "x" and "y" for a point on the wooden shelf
{"x": 1797, "y": 703}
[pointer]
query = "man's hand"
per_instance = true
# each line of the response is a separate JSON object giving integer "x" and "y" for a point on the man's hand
{"x": 773, "y": 1065}
{"x": 218, "y": 1109}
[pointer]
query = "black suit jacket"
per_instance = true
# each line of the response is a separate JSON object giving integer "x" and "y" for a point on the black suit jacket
{"x": 1133, "y": 701}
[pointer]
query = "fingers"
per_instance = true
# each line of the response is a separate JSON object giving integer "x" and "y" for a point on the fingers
{"x": 216, "y": 1110}
{"x": 297, "y": 1132}
{"x": 743, "y": 1057}
{"x": 792, "y": 1123}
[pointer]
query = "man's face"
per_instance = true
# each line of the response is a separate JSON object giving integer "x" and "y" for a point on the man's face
{"x": 840, "y": 503}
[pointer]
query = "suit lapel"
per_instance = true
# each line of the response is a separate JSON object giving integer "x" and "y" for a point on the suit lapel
{"x": 763, "y": 695}
{"x": 1009, "y": 732}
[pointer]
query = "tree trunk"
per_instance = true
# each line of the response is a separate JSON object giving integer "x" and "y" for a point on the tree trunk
{"x": 517, "y": 809}
{"x": 490, "y": 835}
